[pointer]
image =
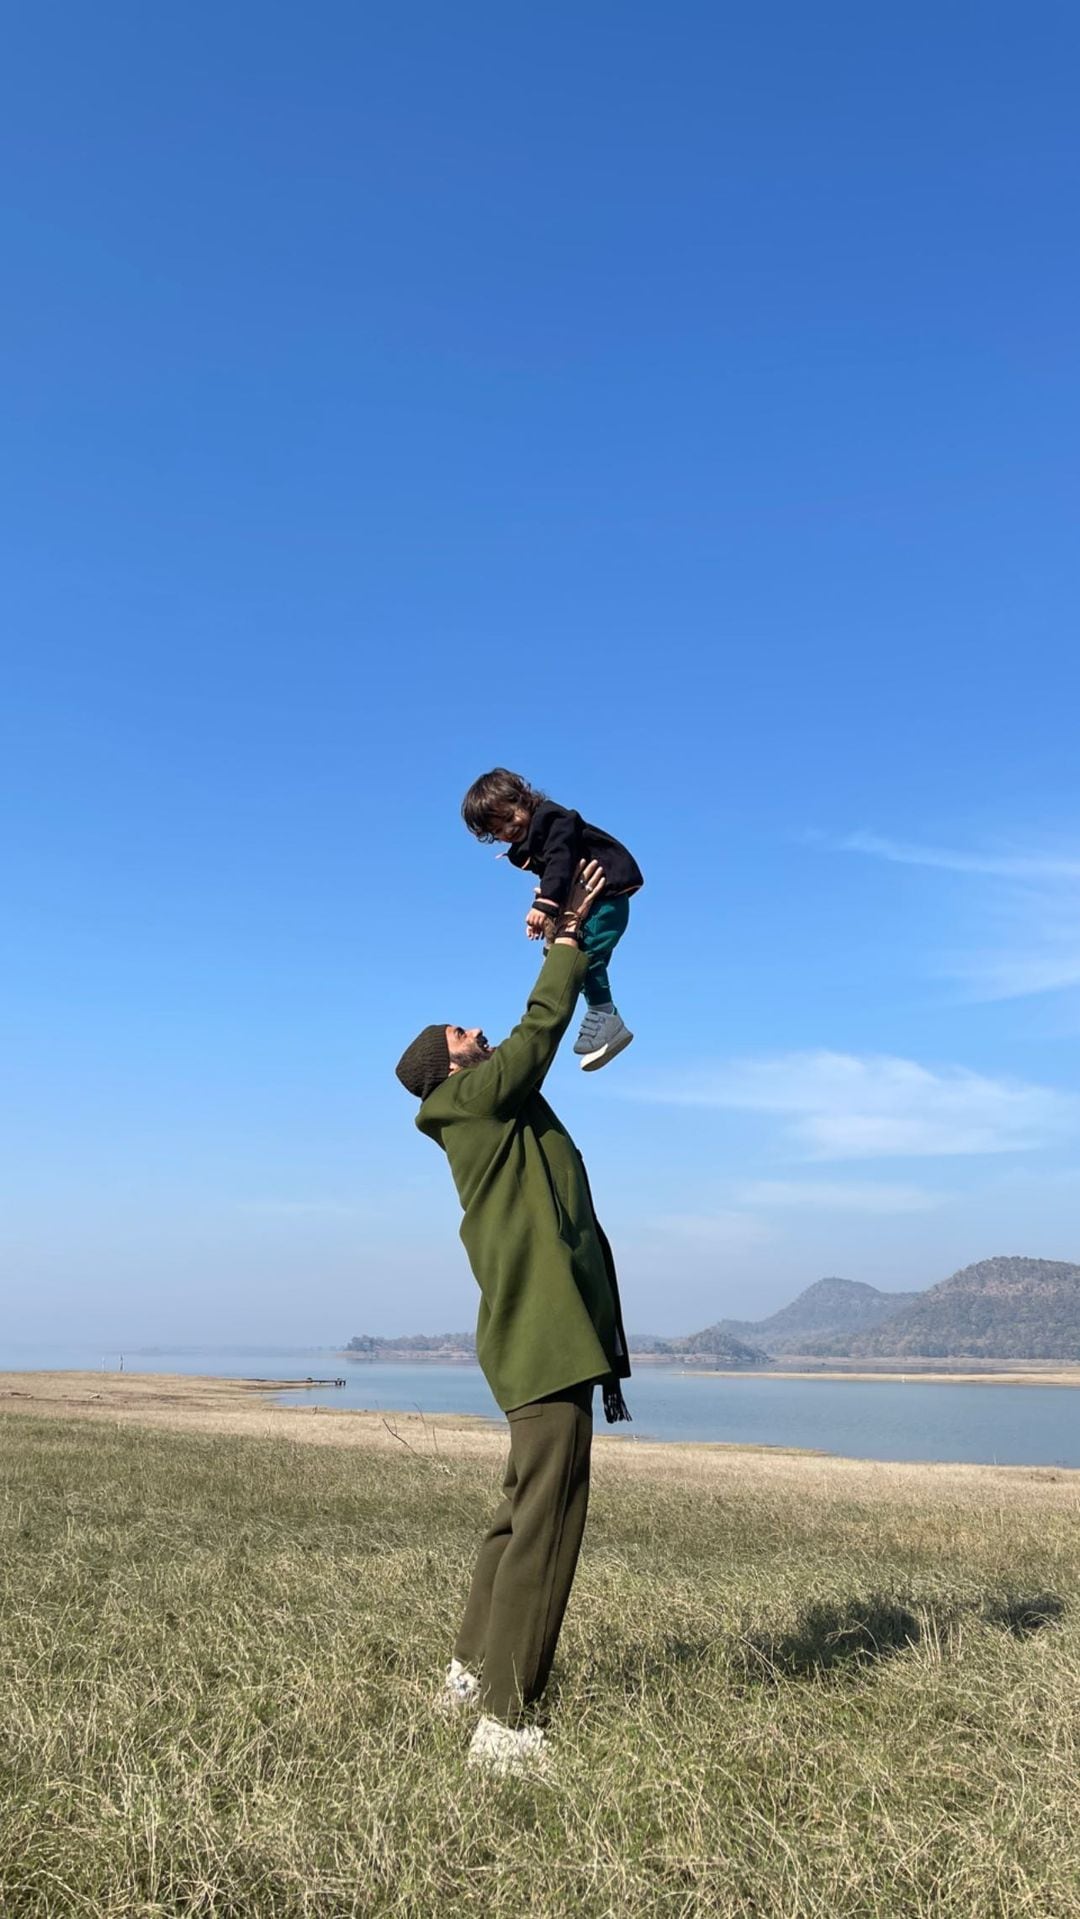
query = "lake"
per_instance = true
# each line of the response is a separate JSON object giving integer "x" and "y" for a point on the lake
{"x": 861, "y": 1419}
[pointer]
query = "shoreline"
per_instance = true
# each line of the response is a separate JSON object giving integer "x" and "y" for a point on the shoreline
{"x": 1022, "y": 1372}
{"x": 203, "y": 1405}
{"x": 1062, "y": 1376}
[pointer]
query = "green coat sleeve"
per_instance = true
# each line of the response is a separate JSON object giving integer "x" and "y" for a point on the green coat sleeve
{"x": 517, "y": 1068}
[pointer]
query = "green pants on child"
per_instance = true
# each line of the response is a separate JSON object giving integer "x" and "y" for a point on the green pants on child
{"x": 600, "y": 935}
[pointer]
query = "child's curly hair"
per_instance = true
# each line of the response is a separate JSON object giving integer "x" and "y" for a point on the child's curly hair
{"x": 494, "y": 798}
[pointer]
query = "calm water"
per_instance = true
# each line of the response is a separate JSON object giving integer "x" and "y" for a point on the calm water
{"x": 877, "y": 1419}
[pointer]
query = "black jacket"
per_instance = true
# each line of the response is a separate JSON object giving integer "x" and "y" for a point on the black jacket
{"x": 556, "y": 840}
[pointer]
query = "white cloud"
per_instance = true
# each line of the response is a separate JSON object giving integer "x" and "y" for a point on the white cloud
{"x": 1033, "y": 945}
{"x": 1024, "y": 916}
{"x": 729, "y": 1228}
{"x": 840, "y": 1196}
{"x": 1015, "y": 866}
{"x": 841, "y": 1106}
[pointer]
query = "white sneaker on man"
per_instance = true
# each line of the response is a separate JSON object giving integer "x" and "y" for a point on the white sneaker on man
{"x": 511, "y": 1752}
{"x": 459, "y": 1690}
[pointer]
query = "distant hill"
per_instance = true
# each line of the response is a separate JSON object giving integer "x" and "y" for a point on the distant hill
{"x": 417, "y": 1345}
{"x": 823, "y": 1318}
{"x": 1004, "y": 1308}
{"x": 712, "y": 1343}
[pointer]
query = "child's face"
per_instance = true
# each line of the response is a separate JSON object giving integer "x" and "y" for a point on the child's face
{"x": 512, "y": 827}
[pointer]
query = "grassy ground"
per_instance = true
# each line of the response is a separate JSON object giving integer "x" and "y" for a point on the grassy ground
{"x": 787, "y": 1687}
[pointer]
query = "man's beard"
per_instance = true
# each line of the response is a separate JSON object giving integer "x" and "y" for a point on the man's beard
{"x": 474, "y": 1054}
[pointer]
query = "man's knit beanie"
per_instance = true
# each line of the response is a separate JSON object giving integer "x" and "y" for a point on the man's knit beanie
{"x": 426, "y": 1063}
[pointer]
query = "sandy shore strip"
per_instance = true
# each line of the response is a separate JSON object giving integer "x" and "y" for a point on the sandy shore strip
{"x": 1019, "y": 1372}
{"x": 198, "y": 1405}
{"x": 1056, "y": 1376}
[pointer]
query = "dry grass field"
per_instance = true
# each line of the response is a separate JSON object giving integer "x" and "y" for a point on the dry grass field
{"x": 788, "y": 1685}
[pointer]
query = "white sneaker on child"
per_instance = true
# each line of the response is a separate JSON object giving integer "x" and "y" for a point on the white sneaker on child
{"x": 602, "y": 1036}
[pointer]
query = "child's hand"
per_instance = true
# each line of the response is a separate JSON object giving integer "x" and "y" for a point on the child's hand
{"x": 537, "y": 924}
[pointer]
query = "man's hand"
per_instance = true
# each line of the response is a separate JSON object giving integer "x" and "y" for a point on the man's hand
{"x": 538, "y": 924}
{"x": 588, "y": 884}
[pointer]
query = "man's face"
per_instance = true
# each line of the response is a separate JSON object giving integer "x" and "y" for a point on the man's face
{"x": 466, "y": 1046}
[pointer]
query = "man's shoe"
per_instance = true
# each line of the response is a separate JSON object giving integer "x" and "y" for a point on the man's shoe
{"x": 511, "y": 1752}
{"x": 459, "y": 1690}
{"x": 602, "y": 1035}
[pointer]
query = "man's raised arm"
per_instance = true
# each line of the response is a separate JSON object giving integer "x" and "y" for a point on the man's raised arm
{"x": 519, "y": 1065}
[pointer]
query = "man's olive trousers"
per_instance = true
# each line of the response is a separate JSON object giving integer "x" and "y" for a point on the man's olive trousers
{"x": 526, "y": 1564}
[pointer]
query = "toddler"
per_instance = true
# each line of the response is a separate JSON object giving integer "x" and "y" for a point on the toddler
{"x": 549, "y": 840}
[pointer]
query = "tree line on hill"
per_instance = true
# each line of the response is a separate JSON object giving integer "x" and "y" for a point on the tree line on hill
{"x": 1009, "y": 1307}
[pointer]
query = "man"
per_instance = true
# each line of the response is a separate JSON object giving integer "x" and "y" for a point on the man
{"x": 549, "y": 1329}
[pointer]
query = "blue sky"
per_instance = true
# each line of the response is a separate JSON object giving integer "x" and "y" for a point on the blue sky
{"x": 678, "y": 405}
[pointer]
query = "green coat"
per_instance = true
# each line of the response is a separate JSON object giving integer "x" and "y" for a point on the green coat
{"x": 549, "y": 1313}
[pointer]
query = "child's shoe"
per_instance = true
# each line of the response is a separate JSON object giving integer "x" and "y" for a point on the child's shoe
{"x": 459, "y": 1690}
{"x": 514, "y": 1752}
{"x": 602, "y": 1035}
